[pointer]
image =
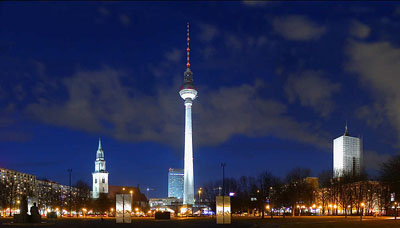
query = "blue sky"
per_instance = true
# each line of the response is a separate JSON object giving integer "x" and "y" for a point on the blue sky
{"x": 276, "y": 83}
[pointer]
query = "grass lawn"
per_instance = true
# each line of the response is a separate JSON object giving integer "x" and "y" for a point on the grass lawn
{"x": 251, "y": 222}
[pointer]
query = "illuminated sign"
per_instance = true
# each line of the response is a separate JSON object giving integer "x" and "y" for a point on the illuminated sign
{"x": 223, "y": 210}
{"x": 123, "y": 208}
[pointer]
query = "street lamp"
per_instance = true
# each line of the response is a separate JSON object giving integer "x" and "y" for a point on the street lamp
{"x": 395, "y": 212}
{"x": 362, "y": 211}
{"x": 199, "y": 200}
{"x": 131, "y": 192}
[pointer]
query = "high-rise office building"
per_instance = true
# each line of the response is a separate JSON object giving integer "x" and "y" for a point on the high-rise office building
{"x": 188, "y": 93}
{"x": 100, "y": 175}
{"x": 347, "y": 155}
{"x": 175, "y": 183}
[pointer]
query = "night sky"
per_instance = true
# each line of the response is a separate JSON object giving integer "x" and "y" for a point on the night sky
{"x": 276, "y": 81}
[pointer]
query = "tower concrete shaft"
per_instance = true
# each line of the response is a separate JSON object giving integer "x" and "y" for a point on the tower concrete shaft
{"x": 188, "y": 188}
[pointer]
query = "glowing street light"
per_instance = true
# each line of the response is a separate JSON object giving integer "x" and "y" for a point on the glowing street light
{"x": 362, "y": 211}
{"x": 199, "y": 192}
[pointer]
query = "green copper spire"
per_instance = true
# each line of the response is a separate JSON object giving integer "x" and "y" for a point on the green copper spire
{"x": 100, "y": 153}
{"x": 100, "y": 144}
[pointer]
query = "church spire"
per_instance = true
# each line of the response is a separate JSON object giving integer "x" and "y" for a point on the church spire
{"x": 100, "y": 153}
{"x": 99, "y": 144}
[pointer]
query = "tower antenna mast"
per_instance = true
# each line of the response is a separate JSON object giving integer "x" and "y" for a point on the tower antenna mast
{"x": 188, "y": 47}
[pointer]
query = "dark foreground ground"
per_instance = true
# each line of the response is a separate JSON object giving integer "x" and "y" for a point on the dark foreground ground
{"x": 306, "y": 222}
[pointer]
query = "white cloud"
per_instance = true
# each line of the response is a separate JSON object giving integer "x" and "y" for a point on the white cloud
{"x": 373, "y": 114}
{"x": 208, "y": 32}
{"x": 312, "y": 89}
{"x": 359, "y": 30}
{"x": 377, "y": 65}
{"x": 103, "y": 11}
{"x": 233, "y": 42}
{"x": 99, "y": 102}
{"x": 175, "y": 56}
{"x": 397, "y": 11}
{"x": 125, "y": 19}
{"x": 255, "y": 3}
{"x": 374, "y": 160}
{"x": 298, "y": 28}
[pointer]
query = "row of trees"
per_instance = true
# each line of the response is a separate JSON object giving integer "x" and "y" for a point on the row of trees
{"x": 78, "y": 199}
{"x": 347, "y": 195}
{"x": 255, "y": 193}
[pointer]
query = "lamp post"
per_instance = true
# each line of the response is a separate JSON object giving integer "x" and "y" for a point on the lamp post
{"x": 131, "y": 192}
{"x": 199, "y": 201}
{"x": 148, "y": 189}
{"x": 395, "y": 210}
{"x": 362, "y": 211}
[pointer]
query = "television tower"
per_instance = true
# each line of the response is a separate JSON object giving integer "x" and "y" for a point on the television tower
{"x": 188, "y": 93}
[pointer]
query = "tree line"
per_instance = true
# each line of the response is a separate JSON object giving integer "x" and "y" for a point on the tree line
{"x": 297, "y": 194}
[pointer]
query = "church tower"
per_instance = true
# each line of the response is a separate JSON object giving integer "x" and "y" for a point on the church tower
{"x": 100, "y": 175}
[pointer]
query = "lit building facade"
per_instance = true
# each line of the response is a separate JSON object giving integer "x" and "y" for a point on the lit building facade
{"x": 49, "y": 195}
{"x": 160, "y": 202}
{"x": 175, "y": 183}
{"x": 347, "y": 155}
{"x": 13, "y": 185}
{"x": 188, "y": 93}
{"x": 100, "y": 175}
{"x": 52, "y": 195}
